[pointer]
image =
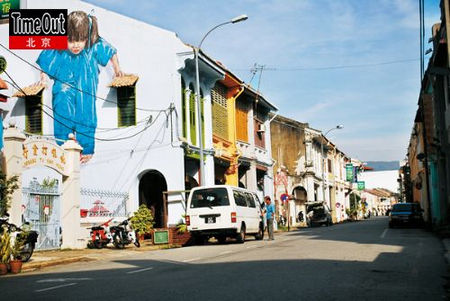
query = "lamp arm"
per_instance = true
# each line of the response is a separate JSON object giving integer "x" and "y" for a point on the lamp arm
{"x": 204, "y": 37}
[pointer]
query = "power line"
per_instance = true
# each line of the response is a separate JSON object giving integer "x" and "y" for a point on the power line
{"x": 68, "y": 84}
{"x": 331, "y": 67}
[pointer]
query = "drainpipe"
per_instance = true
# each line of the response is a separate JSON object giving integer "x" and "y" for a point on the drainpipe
{"x": 425, "y": 150}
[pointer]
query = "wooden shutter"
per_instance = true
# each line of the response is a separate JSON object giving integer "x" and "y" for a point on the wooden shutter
{"x": 241, "y": 122}
{"x": 220, "y": 111}
{"x": 126, "y": 103}
{"x": 259, "y": 136}
{"x": 33, "y": 114}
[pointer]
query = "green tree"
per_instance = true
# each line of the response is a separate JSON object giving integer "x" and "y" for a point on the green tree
{"x": 7, "y": 188}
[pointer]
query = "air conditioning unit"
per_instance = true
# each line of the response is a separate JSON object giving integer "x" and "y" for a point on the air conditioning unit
{"x": 261, "y": 128}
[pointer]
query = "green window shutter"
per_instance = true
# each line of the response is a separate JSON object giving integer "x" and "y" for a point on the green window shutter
{"x": 220, "y": 111}
{"x": 33, "y": 114}
{"x": 203, "y": 120}
{"x": 183, "y": 109}
{"x": 126, "y": 104}
{"x": 192, "y": 120}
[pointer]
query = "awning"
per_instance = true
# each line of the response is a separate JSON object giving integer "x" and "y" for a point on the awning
{"x": 124, "y": 81}
{"x": 29, "y": 91}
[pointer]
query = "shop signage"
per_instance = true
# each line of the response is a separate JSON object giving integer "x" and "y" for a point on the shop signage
{"x": 43, "y": 152}
{"x": 361, "y": 185}
{"x": 349, "y": 172}
{"x": 6, "y": 6}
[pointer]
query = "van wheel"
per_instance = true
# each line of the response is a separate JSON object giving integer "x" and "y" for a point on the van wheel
{"x": 260, "y": 234}
{"x": 200, "y": 239}
{"x": 241, "y": 236}
{"x": 221, "y": 239}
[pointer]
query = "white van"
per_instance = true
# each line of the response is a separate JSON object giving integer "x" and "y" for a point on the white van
{"x": 223, "y": 211}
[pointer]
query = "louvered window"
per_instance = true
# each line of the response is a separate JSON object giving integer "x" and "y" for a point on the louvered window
{"x": 220, "y": 111}
{"x": 183, "y": 108}
{"x": 33, "y": 114}
{"x": 126, "y": 103}
{"x": 192, "y": 118}
{"x": 241, "y": 122}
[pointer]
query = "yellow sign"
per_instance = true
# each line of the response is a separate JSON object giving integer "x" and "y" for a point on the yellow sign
{"x": 43, "y": 152}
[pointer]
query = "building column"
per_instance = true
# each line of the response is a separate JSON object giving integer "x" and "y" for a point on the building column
{"x": 70, "y": 201}
{"x": 13, "y": 153}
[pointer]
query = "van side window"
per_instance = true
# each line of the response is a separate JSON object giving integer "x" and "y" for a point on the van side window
{"x": 239, "y": 198}
{"x": 250, "y": 200}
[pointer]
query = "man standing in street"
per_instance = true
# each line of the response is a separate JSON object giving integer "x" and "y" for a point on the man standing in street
{"x": 270, "y": 214}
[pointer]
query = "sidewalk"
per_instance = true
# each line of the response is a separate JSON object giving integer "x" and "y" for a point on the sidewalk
{"x": 42, "y": 259}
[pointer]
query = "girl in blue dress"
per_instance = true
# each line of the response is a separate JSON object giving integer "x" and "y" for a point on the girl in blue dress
{"x": 75, "y": 73}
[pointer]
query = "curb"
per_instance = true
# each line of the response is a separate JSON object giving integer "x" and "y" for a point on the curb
{"x": 29, "y": 267}
{"x": 446, "y": 243}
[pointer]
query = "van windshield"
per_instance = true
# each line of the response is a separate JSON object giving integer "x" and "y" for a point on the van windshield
{"x": 212, "y": 197}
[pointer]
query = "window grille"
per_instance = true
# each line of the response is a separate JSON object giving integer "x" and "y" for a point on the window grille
{"x": 220, "y": 110}
{"x": 126, "y": 103}
{"x": 33, "y": 114}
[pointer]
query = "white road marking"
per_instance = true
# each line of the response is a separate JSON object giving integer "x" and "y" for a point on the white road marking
{"x": 138, "y": 271}
{"x": 225, "y": 252}
{"x": 192, "y": 259}
{"x": 384, "y": 233}
{"x": 62, "y": 280}
{"x": 54, "y": 287}
{"x": 251, "y": 247}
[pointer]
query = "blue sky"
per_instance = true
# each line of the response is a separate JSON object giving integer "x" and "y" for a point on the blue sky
{"x": 297, "y": 40}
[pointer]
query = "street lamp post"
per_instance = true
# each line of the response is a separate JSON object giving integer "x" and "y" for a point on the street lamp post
{"x": 338, "y": 127}
{"x": 197, "y": 92}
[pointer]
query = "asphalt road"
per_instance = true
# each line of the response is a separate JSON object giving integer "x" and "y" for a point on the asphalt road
{"x": 362, "y": 261}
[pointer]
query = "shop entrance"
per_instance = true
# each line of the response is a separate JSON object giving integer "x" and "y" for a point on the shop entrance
{"x": 152, "y": 184}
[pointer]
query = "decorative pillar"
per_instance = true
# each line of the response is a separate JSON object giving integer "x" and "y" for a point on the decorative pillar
{"x": 13, "y": 153}
{"x": 70, "y": 201}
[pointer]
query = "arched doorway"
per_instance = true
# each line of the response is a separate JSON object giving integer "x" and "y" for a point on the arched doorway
{"x": 300, "y": 198}
{"x": 152, "y": 185}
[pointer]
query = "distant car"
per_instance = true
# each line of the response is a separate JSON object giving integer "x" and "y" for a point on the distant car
{"x": 318, "y": 214}
{"x": 408, "y": 214}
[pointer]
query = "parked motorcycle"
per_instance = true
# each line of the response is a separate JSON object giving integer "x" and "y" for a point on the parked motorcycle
{"x": 23, "y": 234}
{"x": 100, "y": 236}
{"x": 123, "y": 235}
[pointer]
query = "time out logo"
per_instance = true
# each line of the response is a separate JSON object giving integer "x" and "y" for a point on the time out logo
{"x": 38, "y": 29}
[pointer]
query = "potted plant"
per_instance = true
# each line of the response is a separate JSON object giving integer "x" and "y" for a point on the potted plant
{"x": 16, "y": 262}
{"x": 180, "y": 235}
{"x": 142, "y": 221}
{"x": 5, "y": 251}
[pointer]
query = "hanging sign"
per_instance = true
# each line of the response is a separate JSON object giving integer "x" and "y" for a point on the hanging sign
{"x": 361, "y": 185}
{"x": 349, "y": 172}
{"x": 6, "y": 6}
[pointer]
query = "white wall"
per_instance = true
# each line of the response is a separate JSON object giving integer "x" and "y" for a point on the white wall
{"x": 380, "y": 179}
{"x": 144, "y": 50}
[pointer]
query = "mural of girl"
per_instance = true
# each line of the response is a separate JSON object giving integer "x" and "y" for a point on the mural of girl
{"x": 75, "y": 72}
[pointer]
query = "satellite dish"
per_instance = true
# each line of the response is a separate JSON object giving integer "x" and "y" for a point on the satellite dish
{"x": 2, "y": 64}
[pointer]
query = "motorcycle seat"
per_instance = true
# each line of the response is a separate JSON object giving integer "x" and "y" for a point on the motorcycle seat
{"x": 97, "y": 228}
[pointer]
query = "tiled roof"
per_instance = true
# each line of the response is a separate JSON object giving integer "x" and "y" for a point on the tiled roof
{"x": 124, "y": 81}
{"x": 29, "y": 91}
{"x": 3, "y": 85}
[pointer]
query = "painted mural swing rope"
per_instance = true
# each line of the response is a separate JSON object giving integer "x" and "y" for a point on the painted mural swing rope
{"x": 70, "y": 85}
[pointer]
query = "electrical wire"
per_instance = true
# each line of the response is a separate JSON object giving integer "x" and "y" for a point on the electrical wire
{"x": 84, "y": 134}
{"x": 68, "y": 84}
{"x": 103, "y": 130}
{"x": 333, "y": 67}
